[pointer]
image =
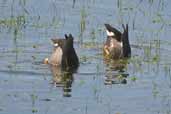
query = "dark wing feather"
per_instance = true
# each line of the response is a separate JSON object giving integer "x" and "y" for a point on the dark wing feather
{"x": 114, "y": 30}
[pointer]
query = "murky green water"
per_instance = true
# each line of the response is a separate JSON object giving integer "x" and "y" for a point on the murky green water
{"x": 142, "y": 87}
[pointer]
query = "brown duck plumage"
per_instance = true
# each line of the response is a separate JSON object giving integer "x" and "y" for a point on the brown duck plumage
{"x": 117, "y": 44}
{"x": 64, "y": 53}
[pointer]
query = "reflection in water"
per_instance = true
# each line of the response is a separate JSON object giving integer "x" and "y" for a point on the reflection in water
{"x": 115, "y": 71}
{"x": 63, "y": 78}
{"x": 73, "y": 5}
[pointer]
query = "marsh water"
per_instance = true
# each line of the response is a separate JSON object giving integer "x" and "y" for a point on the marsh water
{"x": 139, "y": 85}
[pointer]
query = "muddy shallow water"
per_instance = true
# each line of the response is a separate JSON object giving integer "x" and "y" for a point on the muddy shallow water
{"x": 141, "y": 87}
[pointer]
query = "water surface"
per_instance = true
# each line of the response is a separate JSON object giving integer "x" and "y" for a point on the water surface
{"x": 26, "y": 27}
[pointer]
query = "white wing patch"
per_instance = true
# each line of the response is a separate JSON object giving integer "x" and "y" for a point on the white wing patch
{"x": 110, "y": 33}
{"x": 55, "y": 44}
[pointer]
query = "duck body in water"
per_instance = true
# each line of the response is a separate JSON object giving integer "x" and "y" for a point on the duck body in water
{"x": 117, "y": 45}
{"x": 64, "y": 54}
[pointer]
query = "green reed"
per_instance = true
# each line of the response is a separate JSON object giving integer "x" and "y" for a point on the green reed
{"x": 83, "y": 16}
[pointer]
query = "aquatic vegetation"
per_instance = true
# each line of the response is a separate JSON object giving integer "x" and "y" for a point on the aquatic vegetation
{"x": 90, "y": 45}
{"x": 137, "y": 64}
{"x": 83, "y": 16}
{"x": 13, "y": 21}
{"x": 73, "y": 3}
{"x": 33, "y": 99}
{"x": 155, "y": 90}
{"x": 93, "y": 35}
{"x": 133, "y": 78}
{"x": 83, "y": 59}
{"x": 82, "y": 82}
{"x": 34, "y": 110}
{"x": 14, "y": 24}
{"x": 39, "y": 25}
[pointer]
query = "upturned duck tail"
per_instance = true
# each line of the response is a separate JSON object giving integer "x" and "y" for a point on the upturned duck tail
{"x": 126, "y": 44}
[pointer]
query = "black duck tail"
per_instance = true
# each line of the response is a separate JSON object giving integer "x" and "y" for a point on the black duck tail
{"x": 126, "y": 44}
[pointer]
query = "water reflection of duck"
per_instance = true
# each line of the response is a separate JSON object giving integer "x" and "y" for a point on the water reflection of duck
{"x": 64, "y": 54}
{"x": 117, "y": 44}
{"x": 62, "y": 79}
{"x": 115, "y": 71}
{"x": 116, "y": 48}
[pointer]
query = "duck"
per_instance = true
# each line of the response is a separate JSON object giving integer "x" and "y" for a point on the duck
{"x": 117, "y": 44}
{"x": 63, "y": 54}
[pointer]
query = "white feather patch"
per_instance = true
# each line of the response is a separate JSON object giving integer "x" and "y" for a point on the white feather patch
{"x": 110, "y": 33}
{"x": 121, "y": 44}
{"x": 56, "y": 57}
{"x": 55, "y": 44}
